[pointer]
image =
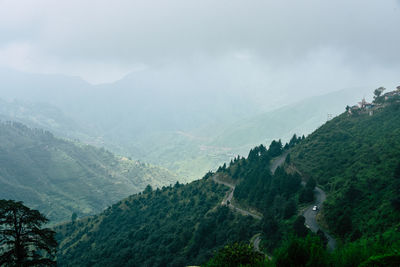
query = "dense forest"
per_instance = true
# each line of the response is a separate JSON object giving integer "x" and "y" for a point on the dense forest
{"x": 356, "y": 159}
{"x": 172, "y": 133}
{"x": 380, "y": 251}
{"x": 275, "y": 194}
{"x": 60, "y": 177}
{"x": 172, "y": 226}
{"x": 185, "y": 224}
{"x": 353, "y": 157}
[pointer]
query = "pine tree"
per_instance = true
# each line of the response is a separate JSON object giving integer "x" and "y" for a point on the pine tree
{"x": 22, "y": 240}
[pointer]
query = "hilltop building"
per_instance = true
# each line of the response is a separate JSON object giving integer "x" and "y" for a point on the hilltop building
{"x": 364, "y": 104}
{"x": 379, "y": 101}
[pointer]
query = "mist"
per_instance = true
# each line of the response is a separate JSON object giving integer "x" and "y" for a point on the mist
{"x": 199, "y": 132}
{"x": 136, "y": 74}
{"x": 266, "y": 41}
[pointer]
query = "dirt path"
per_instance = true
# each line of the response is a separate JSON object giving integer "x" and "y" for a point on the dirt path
{"x": 275, "y": 163}
{"x": 227, "y": 201}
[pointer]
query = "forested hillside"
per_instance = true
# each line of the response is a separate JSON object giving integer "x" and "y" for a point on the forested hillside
{"x": 300, "y": 117}
{"x": 356, "y": 159}
{"x": 274, "y": 194}
{"x": 186, "y": 138}
{"x": 172, "y": 226}
{"x": 185, "y": 224}
{"x": 59, "y": 177}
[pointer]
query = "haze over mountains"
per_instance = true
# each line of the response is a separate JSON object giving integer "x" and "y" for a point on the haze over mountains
{"x": 182, "y": 224}
{"x": 212, "y": 133}
{"x": 164, "y": 119}
{"x": 60, "y": 177}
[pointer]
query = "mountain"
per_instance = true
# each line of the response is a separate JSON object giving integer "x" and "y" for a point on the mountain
{"x": 301, "y": 117}
{"x": 47, "y": 117}
{"x": 184, "y": 224}
{"x": 60, "y": 177}
{"x": 189, "y": 124}
{"x": 140, "y": 116}
{"x": 173, "y": 226}
{"x": 199, "y": 150}
{"x": 354, "y": 158}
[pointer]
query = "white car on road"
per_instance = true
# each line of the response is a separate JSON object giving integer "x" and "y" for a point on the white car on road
{"x": 315, "y": 208}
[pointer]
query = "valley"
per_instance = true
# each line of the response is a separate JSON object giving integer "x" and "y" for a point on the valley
{"x": 171, "y": 133}
{"x": 264, "y": 199}
{"x": 187, "y": 147}
{"x": 60, "y": 177}
{"x": 263, "y": 191}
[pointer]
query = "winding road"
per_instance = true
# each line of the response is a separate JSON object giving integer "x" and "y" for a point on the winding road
{"x": 311, "y": 220}
{"x": 309, "y": 214}
{"x": 227, "y": 201}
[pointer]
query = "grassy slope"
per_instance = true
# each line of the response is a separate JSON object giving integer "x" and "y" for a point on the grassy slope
{"x": 59, "y": 177}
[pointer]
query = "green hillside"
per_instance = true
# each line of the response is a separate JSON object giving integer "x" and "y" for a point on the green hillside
{"x": 198, "y": 150}
{"x": 43, "y": 116}
{"x": 59, "y": 177}
{"x": 173, "y": 226}
{"x": 170, "y": 138}
{"x": 301, "y": 117}
{"x": 355, "y": 157}
{"x": 185, "y": 224}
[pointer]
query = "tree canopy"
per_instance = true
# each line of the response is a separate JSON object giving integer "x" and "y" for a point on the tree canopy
{"x": 23, "y": 242}
{"x": 236, "y": 254}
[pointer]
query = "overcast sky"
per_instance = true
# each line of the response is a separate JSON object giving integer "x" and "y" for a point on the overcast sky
{"x": 252, "y": 43}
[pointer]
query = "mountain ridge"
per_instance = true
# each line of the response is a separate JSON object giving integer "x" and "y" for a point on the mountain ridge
{"x": 60, "y": 177}
{"x": 352, "y": 212}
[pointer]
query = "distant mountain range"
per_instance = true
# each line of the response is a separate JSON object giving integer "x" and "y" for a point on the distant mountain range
{"x": 60, "y": 177}
{"x": 138, "y": 116}
{"x": 186, "y": 131}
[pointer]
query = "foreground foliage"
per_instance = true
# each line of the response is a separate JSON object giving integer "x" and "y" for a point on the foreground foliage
{"x": 379, "y": 251}
{"x": 23, "y": 242}
{"x": 236, "y": 254}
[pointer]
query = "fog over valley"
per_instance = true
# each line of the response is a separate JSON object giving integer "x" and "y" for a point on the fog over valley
{"x": 135, "y": 74}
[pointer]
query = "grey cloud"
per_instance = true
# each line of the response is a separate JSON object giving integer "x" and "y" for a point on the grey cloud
{"x": 276, "y": 33}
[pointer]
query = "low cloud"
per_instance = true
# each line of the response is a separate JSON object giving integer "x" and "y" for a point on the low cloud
{"x": 102, "y": 40}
